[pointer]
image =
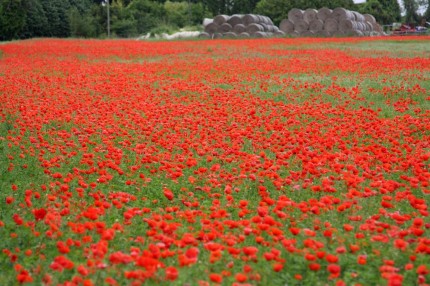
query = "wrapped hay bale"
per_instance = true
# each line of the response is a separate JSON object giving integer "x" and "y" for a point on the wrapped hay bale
{"x": 342, "y": 14}
{"x": 224, "y": 28}
{"x": 295, "y": 15}
{"x": 207, "y": 21}
{"x": 307, "y": 34}
{"x": 347, "y": 25}
{"x": 244, "y": 35}
{"x": 286, "y": 26}
{"x": 324, "y": 13}
{"x": 230, "y": 35}
{"x": 239, "y": 28}
{"x": 331, "y": 25}
{"x": 316, "y": 25}
{"x": 370, "y": 18}
{"x": 358, "y": 16}
{"x": 268, "y": 20}
{"x": 235, "y": 20}
{"x": 301, "y": 26}
{"x": 260, "y": 34}
{"x": 204, "y": 35}
{"x": 211, "y": 28}
{"x": 250, "y": 19}
{"x": 253, "y": 28}
{"x": 221, "y": 19}
{"x": 279, "y": 33}
{"x": 310, "y": 15}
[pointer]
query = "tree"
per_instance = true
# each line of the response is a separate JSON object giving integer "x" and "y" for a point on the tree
{"x": 35, "y": 20}
{"x": 217, "y": 7}
{"x": 426, "y": 15}
{"x": 384, "y": 11}
{"x": 81, "y": 25}
{"x": 146, "y": 14}
{"x": 57, "y": 12}
{"x": 411, "y": 7}
{"x": 244, "y": 6}
{"x": 12, "y": 18}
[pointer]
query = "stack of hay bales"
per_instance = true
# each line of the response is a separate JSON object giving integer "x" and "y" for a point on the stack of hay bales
{"x": 240, "y": 26}
{"x": 327, "y": 22}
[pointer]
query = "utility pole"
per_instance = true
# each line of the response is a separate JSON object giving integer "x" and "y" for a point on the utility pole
{"x": 108, "y": 18}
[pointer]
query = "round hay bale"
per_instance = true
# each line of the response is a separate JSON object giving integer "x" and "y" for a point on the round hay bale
{"x": 272, "y": 28}
{"x": 286, "y": 26}
{"x": 221, "y": 19}
{"x": 331, "y": 25}
{"x": 295, "y": 15}
{"x": 230, "y": 35}
{"x": 239, "y": 28}
{"x": 369, "y": 26}
{"x": 301, "y": 26}
{"x": 307, "y": 34}
{"x": 339, "y": 33}
{"x": 260, "y": 34}
{"x": 310, "y": 14}
{"x": 295, "y": 34}
{"x": 360, "y": 26}
{"x": 235, "y": 19}
{"x": 204, "y": 35}
{"x": 224, "y": 28}
{"x": 347, "y": 25}
{"x": 279, "y": 33}
{"x": 378, "y": 28}
{"x": 370, "y": 18}
{"x": 253, "y": 28}
{"x": 243, "y": 35}
{"x": 325, "y": 33}
{"x": 358, "y": 16}
{"x": 262, "y": 19}
{"x": 265, "y": 26}
{"x": 324, "y": 13}
{"x": 342, "y": 14}
{"x": 250, "y": 19}
{"x": 207, "y": 21}
{"x": 217, "y": 36}
{"x": 211, "y": 28}
{"x": 268, "y": 20}
{"x": 357, "y": 33}
{"x": 316, "y": 25}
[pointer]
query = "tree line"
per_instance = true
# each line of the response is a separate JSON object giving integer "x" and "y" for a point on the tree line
{"x": 21, "y": 19}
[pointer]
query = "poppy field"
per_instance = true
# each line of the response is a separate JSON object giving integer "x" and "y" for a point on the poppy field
{"x": 222, "y": 162}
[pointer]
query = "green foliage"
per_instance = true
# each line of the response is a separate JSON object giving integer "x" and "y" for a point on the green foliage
{"x": 244, "y": 6}
{"x": 56, "y": 12}
{"x": 146, "y": 14}
{"x": 81, "y": 26}
{"x": 411, "y": 7}
{"x": 36, "y": 21}
{"x": 177, "y": 13}
{"x": 163, "y": 29}
{"x": 12, "y": 18}
{"x": 384, "y": 11}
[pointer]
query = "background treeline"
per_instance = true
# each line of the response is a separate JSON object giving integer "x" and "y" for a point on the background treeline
{"x": 20, "y": 19}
